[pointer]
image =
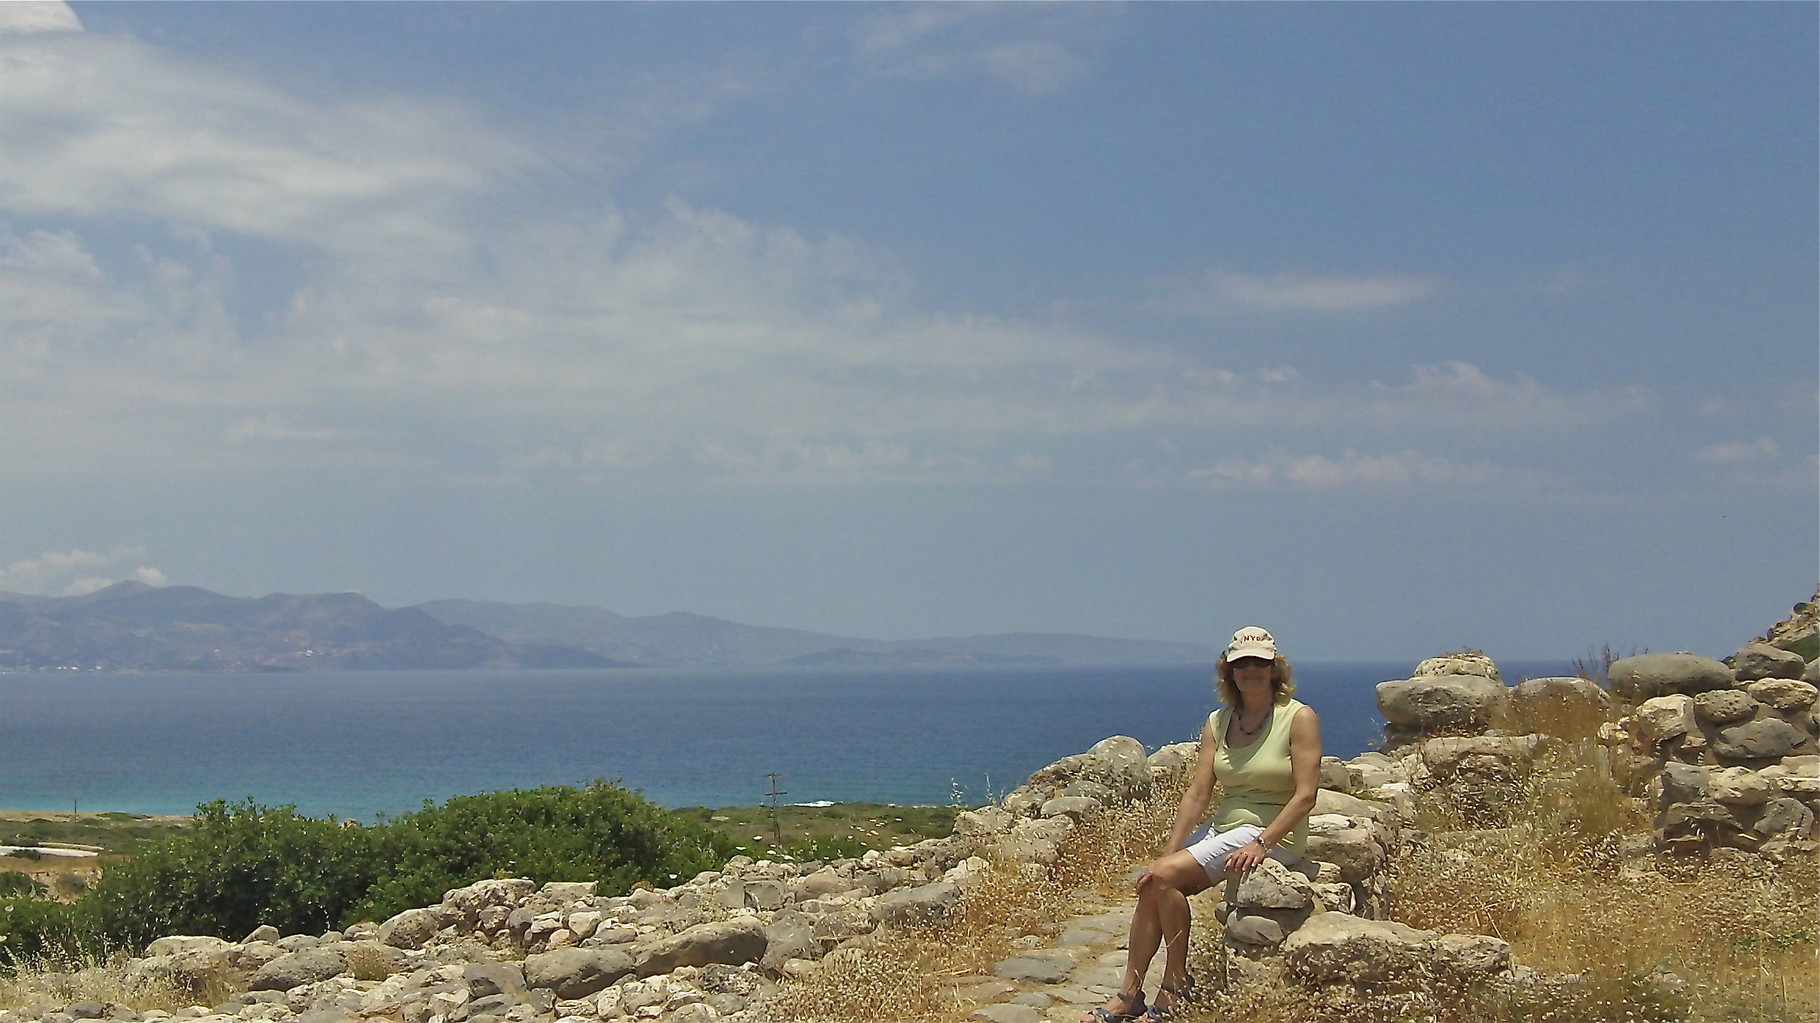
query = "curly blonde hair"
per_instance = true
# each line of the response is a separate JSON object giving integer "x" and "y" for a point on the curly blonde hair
{"x": 1282, "y": 681}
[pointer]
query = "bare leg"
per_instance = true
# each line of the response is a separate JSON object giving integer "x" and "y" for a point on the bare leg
{"x": 1162, "y": 913}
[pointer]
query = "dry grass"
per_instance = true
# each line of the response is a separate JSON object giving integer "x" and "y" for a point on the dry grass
{"x": 1568, "y": 882}
{"x": 59, "y": 977}
{"x": 921, "y": 975}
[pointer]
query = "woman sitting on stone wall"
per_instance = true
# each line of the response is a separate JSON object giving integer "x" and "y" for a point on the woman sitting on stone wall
{"x": 1264, "y": 748}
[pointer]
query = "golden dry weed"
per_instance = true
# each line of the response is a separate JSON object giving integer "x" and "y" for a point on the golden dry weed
{"x": 58, "y": 977}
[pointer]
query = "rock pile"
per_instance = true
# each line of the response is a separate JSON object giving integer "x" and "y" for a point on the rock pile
{"x": 1453, "y": 694}
{"x": 1734, "y": 747}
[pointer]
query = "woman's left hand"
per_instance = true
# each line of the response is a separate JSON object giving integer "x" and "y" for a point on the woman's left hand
{"x": 1246, "y": 857}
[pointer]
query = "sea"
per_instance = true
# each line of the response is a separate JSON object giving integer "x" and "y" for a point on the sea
{"x": 370, "y": 744}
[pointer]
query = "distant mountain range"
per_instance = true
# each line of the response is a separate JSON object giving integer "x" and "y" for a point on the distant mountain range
{"x": 131, "y": 626}
{"x": 679, "y": 638}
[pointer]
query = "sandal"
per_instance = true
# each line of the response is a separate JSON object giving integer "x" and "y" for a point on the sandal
{"x": 1134, "y": 1006}
{"x": 1178, "y": 997}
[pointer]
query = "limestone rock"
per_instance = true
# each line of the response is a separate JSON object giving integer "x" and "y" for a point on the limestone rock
{"x": 789, "y": 935}
{"x": 294, "y": 969}
{"x": 1464, "y": 662}
{"x": 576, "y": 972}
{"x": 1256, "y": 931}
{"x": 927, "y": 904}
{"x": 1114, "y": 771}
{"x": 485, "y": 979}
{"x": 1643, "y": 676}
{"x": 1568, "y": 694}
{"x": 1660, "y": 720}
{"x": 733, "y": 941}
{"x": 179, "y": 943}
{"x": 1273, "y": 886}
{"x": 1738, "y": 787}
{"x": 1007, "y": 1012}
{"x": 1760, "y": 740}
{"x": 1035, "y": 968}
{"x": 1761, "y": 660}
{"x": 1725, "y": 706}
{"x": 1351, "y": 844}
{"x": 412, "y": 928}
{"x": 508, "y": 893}
{"x": 1077, "y": 807}
{"x": 1785, "y": 818}
{"x": 1785, "y": 695}
{"x": 1338, "y": 948}
{"x": 1428, "y": 705}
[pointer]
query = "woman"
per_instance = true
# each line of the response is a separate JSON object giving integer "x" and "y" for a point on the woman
{"x": 1264, "y": 748}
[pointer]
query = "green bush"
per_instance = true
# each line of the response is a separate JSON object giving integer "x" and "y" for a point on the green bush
{"x": 238, "y": 866}
{"x": 600, "y": 832}
{"x": 241, "y": 865}
{"x": 29, "y": 927}
{"x": 17, "y": 882}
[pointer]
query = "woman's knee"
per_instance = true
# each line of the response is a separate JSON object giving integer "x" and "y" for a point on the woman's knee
{"x": 1178, "y": 872}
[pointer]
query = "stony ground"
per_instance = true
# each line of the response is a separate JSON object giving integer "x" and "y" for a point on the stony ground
{"x": 1061, "y": 979}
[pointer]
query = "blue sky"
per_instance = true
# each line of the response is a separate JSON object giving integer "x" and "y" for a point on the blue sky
{"x": 1395, "y": 328}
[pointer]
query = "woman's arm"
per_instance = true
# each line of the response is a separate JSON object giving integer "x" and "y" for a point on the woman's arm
{"x": 1199, "y": 793}
{"x": 1305, "y": 766}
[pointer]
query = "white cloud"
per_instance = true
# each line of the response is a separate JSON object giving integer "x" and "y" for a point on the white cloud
{"x": 29, "y": 16}
{"x": 1736, "y": 452}
{"x": 1034, "y": 49}
{"x": 105, "y": 125}
{"x": 70, "y": 573}
{"x": 1460, "y": 392}
{"x": 1354, "y": 470}
{"x": 1224, "y": 290}
{"x": 402, "y": 327}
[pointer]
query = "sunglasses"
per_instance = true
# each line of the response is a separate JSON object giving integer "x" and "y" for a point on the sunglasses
{"x": 1252, "y": 662}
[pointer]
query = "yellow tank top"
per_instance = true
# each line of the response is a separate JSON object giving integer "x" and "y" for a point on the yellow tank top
{"x": 1257, "y": 780}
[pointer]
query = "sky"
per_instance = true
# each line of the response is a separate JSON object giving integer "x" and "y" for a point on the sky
{"x": 1394, "y": 328}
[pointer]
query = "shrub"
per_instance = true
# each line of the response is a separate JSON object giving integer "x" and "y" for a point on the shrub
{"x": 237, "y": 867}
{"x": 599, "y": 832}
{"x": 29, "y": 926}
{"x": 17, "y": 882}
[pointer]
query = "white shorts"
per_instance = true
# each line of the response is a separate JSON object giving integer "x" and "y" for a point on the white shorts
{"x": 1210, "y": 848}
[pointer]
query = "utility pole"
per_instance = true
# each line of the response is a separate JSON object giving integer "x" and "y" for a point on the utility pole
{"x": 777, "y": 827}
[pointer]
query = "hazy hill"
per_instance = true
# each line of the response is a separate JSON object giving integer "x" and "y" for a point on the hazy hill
{"x": 679, "y": 638}
{"x": 131, "y": 626}
{"x": 676, "y": 638}
{"x": 134, "y": 627}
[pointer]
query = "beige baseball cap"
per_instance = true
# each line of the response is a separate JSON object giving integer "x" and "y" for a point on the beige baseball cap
{"x": 1251, "y": 641}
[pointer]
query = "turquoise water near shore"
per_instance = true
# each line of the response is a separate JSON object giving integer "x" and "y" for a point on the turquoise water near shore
{"x": 360, "y": 744}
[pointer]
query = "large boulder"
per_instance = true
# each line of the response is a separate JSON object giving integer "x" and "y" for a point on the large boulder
{"x": 928, "y": 904}
{"x": 1114, "y": 771}
{"x": 1725, "y": 706}
{"x": 1339, "y": 948}
{"x": 412, "y": 928}
{"x": 1427, "y": 705}
{"x": 1761, "y": 660}
{"x": 295, "y": 969}
{"x": 1638, "y": 678}
{"x": 734, "y": 941}
{"x": 1662, "y": 720}
{"x": 1784, "y": 695}
{"x": 577, "y": 972}
{"x": 1460, "y": 662}
{"x": 1762, "y": 740}
{"x": 1565, "y": 694}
